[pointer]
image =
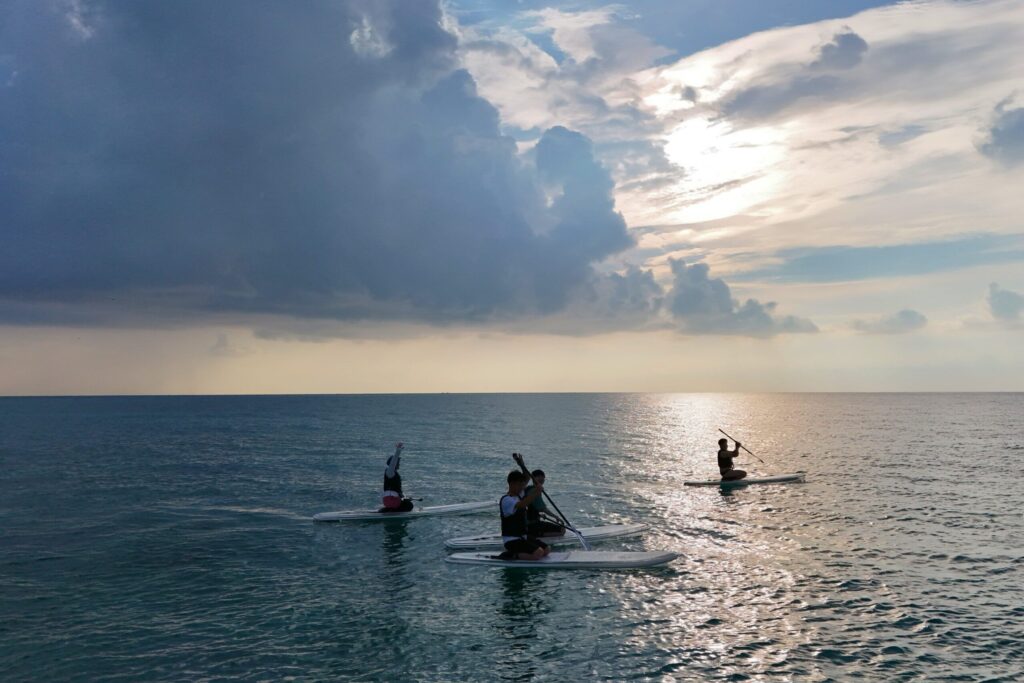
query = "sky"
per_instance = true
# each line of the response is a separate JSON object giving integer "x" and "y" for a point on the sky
{"x": 356, "y": 196}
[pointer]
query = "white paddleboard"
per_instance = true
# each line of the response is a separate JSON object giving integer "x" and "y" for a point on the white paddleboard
{"x": 363, "y": 515}
{"x": 775, "y": 479}
{"x": 593, "y": 533}
{"x": 574, "y": 559}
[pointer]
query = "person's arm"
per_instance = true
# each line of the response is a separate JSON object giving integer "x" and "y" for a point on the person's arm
{"x": 736, "y": 451}
{"x": 538, "y": 503}
{"x": 530, "y": 497}
{"x": 393, "y": 461}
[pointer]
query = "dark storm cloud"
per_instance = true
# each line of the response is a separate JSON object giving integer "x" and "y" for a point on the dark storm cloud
{"x": 704, "y": 305}
{"x": 1004, "y": 139}
{"x": 903, "y": 321}
{"x": 318, "y": 160}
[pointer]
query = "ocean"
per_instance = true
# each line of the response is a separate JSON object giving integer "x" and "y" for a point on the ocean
{"x": 170, "y": 539}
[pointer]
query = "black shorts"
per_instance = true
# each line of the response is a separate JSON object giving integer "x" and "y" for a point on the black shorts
{"x": 524, "y": 545}
{"x": 542, "y": 528}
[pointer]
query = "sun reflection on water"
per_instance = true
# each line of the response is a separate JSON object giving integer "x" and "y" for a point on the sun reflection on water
{"x": 730, "y": 600}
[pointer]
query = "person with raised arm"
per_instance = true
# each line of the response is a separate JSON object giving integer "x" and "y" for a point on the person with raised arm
{"x": 394, "y": 500}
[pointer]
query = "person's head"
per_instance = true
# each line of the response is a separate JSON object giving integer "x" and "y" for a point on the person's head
{"x": 538, "y": 476}
{"x": 723, "y": 444}
{"x": 516, "y": 481}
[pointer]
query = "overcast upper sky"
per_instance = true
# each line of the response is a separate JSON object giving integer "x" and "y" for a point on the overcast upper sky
{"x": 363, "y": 196}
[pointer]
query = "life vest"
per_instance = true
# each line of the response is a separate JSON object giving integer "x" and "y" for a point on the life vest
{"x": 725, "y": 461}
{"x": 393, "y": 484}
{"x": 514, "y": 524}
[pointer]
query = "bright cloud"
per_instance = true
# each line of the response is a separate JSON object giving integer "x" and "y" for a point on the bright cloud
{"x": 807, "y": 133}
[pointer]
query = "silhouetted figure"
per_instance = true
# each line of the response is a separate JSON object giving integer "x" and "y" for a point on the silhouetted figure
{"x": 725, "y": 458}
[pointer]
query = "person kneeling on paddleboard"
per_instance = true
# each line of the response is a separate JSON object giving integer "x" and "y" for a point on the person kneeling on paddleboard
{"x": 725, "y": 457}
{"x": 519, "y": 545}
{"x": 538, "y": 509}
{"x": 394, "y": 501}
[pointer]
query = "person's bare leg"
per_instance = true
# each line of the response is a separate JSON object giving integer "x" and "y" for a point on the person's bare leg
{"x": 733, "y": 475}
{"x": 535, "y": 555}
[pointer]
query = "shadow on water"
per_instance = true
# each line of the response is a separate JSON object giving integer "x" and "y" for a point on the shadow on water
{"x": 521, "y": 607}
{"x": 393, "y": 544}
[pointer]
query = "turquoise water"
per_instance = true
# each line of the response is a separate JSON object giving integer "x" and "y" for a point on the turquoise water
{"x": 168, "y": 539}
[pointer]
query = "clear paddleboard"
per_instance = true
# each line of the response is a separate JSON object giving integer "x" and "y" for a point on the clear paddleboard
{"x": 436, "y": 510}
{"x": 591, "y": 534}
{"x": 775, "y": 479}
{"x": 574, "y": 559}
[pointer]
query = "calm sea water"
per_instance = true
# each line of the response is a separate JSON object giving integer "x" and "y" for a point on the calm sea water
{"x": 169, "y": 539}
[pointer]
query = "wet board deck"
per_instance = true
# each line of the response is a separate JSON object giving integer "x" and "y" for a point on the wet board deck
{"x": 366, "y": 515}
{"x": 591, "y": 534}
{"x": 574, "y": 559}
{"x": 775, "y": 479}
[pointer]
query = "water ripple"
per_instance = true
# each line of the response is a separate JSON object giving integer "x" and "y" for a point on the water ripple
{"x": 168, "y": 539}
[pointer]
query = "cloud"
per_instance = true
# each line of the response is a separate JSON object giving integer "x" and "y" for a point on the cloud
{"x": 557, "y": 67}
{"x": 903, "y": 321}
{"x": 1004, "y": 304}
{"x": 631, "y": 300}
{"x": 584, "y": 208}
{"x": 224, "y": 348}
{"x": 844, "y": 263}
{"x": 759, "y": 101}
{"x": 704, "y": 305}
{"x": 1004, "y": 140}
{"x": 893, "y": 138}
{"x": 844, "y": 52}
{"x": 788, "y": 84}
{"x": 314, "y": 160}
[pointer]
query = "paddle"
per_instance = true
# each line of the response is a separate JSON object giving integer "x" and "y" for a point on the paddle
{"x": 522, "y": 465}
{"x": 743, "y": 447}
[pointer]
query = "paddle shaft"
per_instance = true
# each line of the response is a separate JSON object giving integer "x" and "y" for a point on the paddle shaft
{"x": 522, "y": 465}
{"x": 742, "y": 446}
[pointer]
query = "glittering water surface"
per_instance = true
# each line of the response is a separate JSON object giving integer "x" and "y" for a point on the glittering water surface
{"x": 169, "y": 539}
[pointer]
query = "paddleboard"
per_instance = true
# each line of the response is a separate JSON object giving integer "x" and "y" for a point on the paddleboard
{"x": 593, "y": 533}
{"x": 775, "y": 479}
{"x": 433, "y": 511}
{"x": 574, "y": 559}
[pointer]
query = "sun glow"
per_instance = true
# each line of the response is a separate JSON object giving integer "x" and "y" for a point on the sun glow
{"x": 726, "y": 171}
